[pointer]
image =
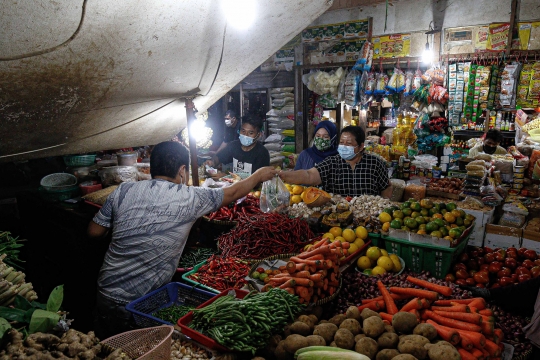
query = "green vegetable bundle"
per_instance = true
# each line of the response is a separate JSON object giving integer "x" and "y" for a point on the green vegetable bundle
{"x": 246, "y": 325}
{"x": 173, "y": 313}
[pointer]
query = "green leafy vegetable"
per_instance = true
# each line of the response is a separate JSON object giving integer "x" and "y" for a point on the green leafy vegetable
{"x": 43, "y": 321}
{"x": 4, "y": 327}
{"x": 55, "y": 299}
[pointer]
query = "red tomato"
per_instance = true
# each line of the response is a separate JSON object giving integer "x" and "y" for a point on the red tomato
{"x": 537, "y": 262}
{"x": 530, "y": 254}
{"x": 484, "y": 267}
{"x": 511, "y": 249}
{"x": 450, "y": 278}
{"x": 514, "y": 277}
{"x": 487, "y": 250}
{"x": 472, "y": 265}
{"x": 470, "y": 281}
{"x": 500, "y": 255}
{"x": 461, "y": 282}
{"x": 524, "y": 277}
{"x": 512, "y": 254}
{"x": 489, "y": 258}
{"x": 521, "y": 252}
{"x": 510, "y": 263}
{"x": 505, "y": 281}
{"x": 472, "y": 272}
{"x": 480, "y": 285}
{"x": 480, "y": 260}
{"x": 458, "y": 266}
{"x": 481, "y": 277}
{"x": 504, "y": 272}
{"x": 523, "y": 270}
{"x": 494, "y": 267}
{"x": 260, "y": 269}
{"x": 535, "y": 272}
{"x": 528, "y": 263}
{"x": 462, "y": 274}
{"x": 481, "y": 251}
{"x": 474, "y": 254}
{"x": 463, "y": 258}
{"x": 494, "y": 286}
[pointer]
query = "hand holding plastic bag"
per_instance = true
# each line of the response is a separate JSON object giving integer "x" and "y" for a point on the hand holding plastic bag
{"x": 274, "y": 196}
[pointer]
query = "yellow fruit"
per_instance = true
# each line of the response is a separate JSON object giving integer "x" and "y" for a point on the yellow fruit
{"x": 296, "y": 199}
{"x": 378, "y": 270}
{"x": 349, "y": 235}
{"x": 297, "y": 189}
{"x": 450, "y": 218}
{"x": 307, "y": 247}
{"x": 386, "y": 263}
{"x": 384, "y": 252}
{"x": 302, "y": 195}
{"x": 336, "y": 231}
{"x": 386, "y": 226}
{"x": 328, "y": 236}
{"x": 289, "y": 187}
{"x": 352, "y": 249}
{"x": 396, "y": 262}
{"x": 359, "y": 242}
{"x": 361, "y": 232}
{"x": 363, "y": 263}
{"x": 340, "y": 238}
{"x": 385, "y": 217}
{"x": 373, "y": 253}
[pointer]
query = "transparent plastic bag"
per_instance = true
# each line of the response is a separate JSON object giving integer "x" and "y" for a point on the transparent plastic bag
{"x": 274, "y": 196}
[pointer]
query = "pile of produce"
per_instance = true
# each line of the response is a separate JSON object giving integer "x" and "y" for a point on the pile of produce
{"x": 355, "y": 237}
{"x": 512, "y": 328}
{"x": 192, "y": 257}
{"x": 378, "y": 261}
{"x": 492, "y": 268}
{"x": 12, "y": 283}
{"x": 9, "y": 246}
{"x": 424, "y": 217}
{"x": 264, "y": 235}
{"x": 447, "y": 185}
{"x": 186, "y": 350}
{"x": 311, "y": 275}
{"x": 246, "y": 325}
{"x": 222, "y": 273}
{"x": 171, "y": 314}
{"x": 249, "y": 206}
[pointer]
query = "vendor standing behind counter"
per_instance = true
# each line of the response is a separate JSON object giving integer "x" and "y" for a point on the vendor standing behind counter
{"x": 324, "y": 145}
{"x": 490, "y": 145}
{"x": 351, "y": 173}
{"x": 246, "y": 154}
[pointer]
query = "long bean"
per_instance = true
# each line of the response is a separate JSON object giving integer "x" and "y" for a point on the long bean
{"x": 173, "y": 313}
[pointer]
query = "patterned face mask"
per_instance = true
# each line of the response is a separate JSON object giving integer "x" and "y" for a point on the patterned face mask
{"x": 322, "y": 144}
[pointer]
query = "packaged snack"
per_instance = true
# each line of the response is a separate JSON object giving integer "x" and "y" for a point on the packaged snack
{"x": 417, "y": 81}
{"x": 370, "y": 85}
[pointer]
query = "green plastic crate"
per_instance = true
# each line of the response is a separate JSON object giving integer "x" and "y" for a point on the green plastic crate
{"x": 376, "y": 239}
{"x": 423, "y": 257}
{"x": 196, "y": 284}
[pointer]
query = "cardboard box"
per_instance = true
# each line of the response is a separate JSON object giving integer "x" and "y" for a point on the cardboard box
{"x": 482, "y": 219}
{"x": 498, "y": 236}
{"x": 530, "y": 239}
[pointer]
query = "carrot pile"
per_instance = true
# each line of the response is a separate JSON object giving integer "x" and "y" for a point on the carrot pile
{"x": 312, "y": 275}
{"x": 465, "y": 323}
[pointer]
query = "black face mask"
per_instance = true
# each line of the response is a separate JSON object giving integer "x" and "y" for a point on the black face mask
{"x": 490, "y": 149}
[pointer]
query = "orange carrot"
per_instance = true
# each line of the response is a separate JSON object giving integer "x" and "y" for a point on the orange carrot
{"x": 478, "y": 303}
{"x": 394, "y": 296}
{"x": 316, "y": 277}
{"x": 333, "y": 283}
{"x": 487, "y": 328}
{"x": 280, "y": 280}
{"x": 304, "y": 261}
{"x": 465, "y": 355}
{"x": 390, "y": 304}
{"x": 314, "y": 298}
{"x": 318, "y": 244}
{"x": 456, "y": 324}
{"x": 457, "y": 301}
{"x": 467, "y": 317}
{"x": 290, "y": 291}
{"x": 425, "y": 303}
{"x": 489, "y": 319}
{"x": 293, "y": 267}
{"x": 448, "y": 334}
{"x": 386, "y": 316}
{"x": 413, "y": 304}
{"x": 302, "y": 281}
{"x": 474, "y": 310}
{"x": 498, "y": 336}
{"x": 319, "y": 284}
{"x": 486, "y": 354}
{"x": 288, "y": 283}
{"x": 346, "y": 245}
{"x": 321, "y": 250}
{"x": 386, "y": 322}
{"x": 282, "y": 268}
{"x": 466, "y": 343}
{"x": 443, "y": 290}
{"x": 416, "y": 313}
{"x": 316, "y": 257}
{"x": 486, "y": 312}
{"x": 374, "y": 305}
{"x": 492, "y": 348}
{"x": 477, "y": 339}
{"x": 430, "y": 295}
{"x": 479, "y": 355}
{"x": 302, "y": 291}
{"x": 456, "y": 308}
{"x": 331, "y": 290}
{"x": 302, "y": 274}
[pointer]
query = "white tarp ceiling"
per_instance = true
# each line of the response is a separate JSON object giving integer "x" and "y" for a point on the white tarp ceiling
{"x": 80, "y": 76}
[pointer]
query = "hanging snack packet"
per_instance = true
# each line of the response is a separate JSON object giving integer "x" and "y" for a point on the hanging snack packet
{"x": 351, "y": 87}
{"x": 370, "y": 85}
{"x": 408, "y": 82}
{"x": 417, "y": 81}
{"x": 364, "y": 52}
{"x": 380, "y": 84}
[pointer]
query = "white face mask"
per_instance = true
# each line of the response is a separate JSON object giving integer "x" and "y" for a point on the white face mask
{"x": 228, "y": 122}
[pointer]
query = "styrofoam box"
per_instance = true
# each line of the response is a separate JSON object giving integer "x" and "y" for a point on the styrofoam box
{"x": 498, "y": 236}
{"x": 482, "y": 219}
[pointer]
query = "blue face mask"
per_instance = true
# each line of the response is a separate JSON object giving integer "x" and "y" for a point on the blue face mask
{"x": 246, "y": 140}
{"x": 346, "y": 152}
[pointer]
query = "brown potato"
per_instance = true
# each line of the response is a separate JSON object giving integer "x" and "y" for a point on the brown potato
{"x": 315, "y": 340}
{"x": 358, "y": 337}
{"x": 373, "y": 326}
{"x": 294, "y": 342}
{"x": 327, "y": 331}
{"x": 404, "y": 322}
{"x": 413, "y": 345}
{"x": 352, "y": 325}
{"x": 300, "y": 328}
{"x": 367, "y": 313}
{"x": 388, "y": 341}
{"x": 338, "y": 319}
{"x": 387, "y": 354}
{"x": 367, "y": 346}
{"x": 353, "y": 313}
{"x": 344, "y": 339}
{"x": 426, "y": 330}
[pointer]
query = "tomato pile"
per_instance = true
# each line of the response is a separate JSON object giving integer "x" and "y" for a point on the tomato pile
{"x": 492, "y": 268}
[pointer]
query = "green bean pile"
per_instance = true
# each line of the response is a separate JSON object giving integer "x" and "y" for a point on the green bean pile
{"x": 192, "y": 257}
{"x": 247, "y": 324}
{"x": 171, "y": 314}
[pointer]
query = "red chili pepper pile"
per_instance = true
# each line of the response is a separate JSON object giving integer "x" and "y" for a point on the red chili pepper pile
{"x": 249, "y": 206}
{"x": 222, "y": 273}
{"x": 263, "y": 235}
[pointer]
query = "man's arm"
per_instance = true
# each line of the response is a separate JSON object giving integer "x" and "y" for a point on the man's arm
{"x": 242, "y": 188}
{"x": 305, "y": 177}
{"x": 387, "y": 193}
{"x": 96, "y": 231}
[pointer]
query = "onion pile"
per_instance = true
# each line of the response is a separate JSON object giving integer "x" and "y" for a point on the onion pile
{"x": 512, "y": 327}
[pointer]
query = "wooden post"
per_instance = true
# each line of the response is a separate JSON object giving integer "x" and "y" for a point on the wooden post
{"x": 513, "y": 22}
{"x": 370, "y": 29}
{"x": 190, "y": 116}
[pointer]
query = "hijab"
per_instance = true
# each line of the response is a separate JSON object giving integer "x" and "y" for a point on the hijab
{"x": 318, "y": 155}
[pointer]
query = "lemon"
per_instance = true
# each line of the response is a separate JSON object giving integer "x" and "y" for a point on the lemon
{"x": 359, "y": 242}
{"x": 378, "y": 270}
{"x": 363, "y": 262}
{"x": 297, "y": 189}
{"x": 397, "y": 263}
{"x": 352, "y": 249}
{"x": 384, "y": 252}
{"x": 340, "y": 238}
{"x": 349, "y": 235}
{"x": 296, "y": 199}
{"x": 336, "y": 231}
{"x": 386, "y": 263}
{"x": 385, "y": 217}
{"x": 386, "y": 226}
{"x": 361, "y": 232}
{"x": 328, "y": 236}
{"x": 373, "y": 253}
{"x": 289, "y": 187}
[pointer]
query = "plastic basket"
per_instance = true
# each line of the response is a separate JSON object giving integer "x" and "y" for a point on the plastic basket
{"x": 376, "y": 239}
{"x": 423, "y": 257}
{"x": 166, "y": 296}
{"x": 152, "y": 343}
{"x": 58, "y": 195}
{"x": 184, "y": 322}
{"x": 79, "y": 160}
{"x": 58, "y": 181}
{"x": 196, "y": 284}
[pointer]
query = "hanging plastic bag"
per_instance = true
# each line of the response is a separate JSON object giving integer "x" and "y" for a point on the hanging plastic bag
{"x": 351, "y": 87}
{"x": 380, "y": 84}
{"x": 370, "y": 85}
{"x": 364, "y": 53}
{"x": 417, "y": 81}
{"x": 397, "y": 81}
{"x": 275, "y": 197}
{"x": 408, "y": 82}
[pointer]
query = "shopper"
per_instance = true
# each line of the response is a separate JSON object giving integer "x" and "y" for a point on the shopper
{"x": 324, "y": 145}
{"x": 150, "y": 222}
{"x": 350, "y": 173}
{"x": 232, "y": 129}
{"x": 490, "y": 145}
{"x": 246, "y": 154}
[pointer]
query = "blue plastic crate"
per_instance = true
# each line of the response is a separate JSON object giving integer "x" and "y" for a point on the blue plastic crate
{"x": 171, "y": 294}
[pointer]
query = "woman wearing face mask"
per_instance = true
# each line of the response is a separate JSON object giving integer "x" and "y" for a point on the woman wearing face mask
{"x": 351, "y": 173}
{"x": 490, "y": 145}
{"x": 232, "y": 129}
{"x": 324, "y": 145}
{"x": 246, "y": 154}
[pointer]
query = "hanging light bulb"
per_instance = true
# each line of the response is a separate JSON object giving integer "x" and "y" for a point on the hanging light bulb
{"x": 239, "y": 13}
{"x": 427, "y": 55}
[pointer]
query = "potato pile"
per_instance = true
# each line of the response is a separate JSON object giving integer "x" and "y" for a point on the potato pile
{"x": 367, "y": 334}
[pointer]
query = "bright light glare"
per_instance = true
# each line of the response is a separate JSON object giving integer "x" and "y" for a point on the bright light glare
{"x": 200, "y": 132}
{"x": 427, "y": 56}
{"x": 239, "y": 13}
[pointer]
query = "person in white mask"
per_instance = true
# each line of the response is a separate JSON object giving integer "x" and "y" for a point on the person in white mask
{"x": 246, "y": 154}
{"x": 231, "y": 131}
{"x": 350, "y": 173}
